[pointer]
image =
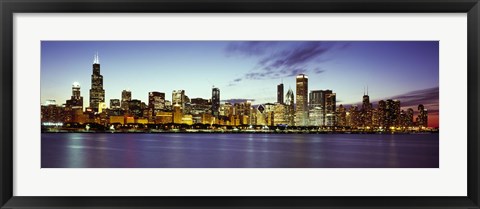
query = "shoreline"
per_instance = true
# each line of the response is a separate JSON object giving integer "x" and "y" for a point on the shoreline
{"x": 240, "y": 132}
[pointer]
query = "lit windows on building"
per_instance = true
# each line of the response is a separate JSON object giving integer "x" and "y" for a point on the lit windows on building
{"x": 97, "y": 93}
{"x": 301, "y": 113}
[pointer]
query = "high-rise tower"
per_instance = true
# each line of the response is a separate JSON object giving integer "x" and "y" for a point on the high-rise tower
{"x": 290, "y": 108}
{"x": 280, "y": 93}
{"x": 97, "y": 93}
{"x": 301, "y": 113}
{"x": 422, "y": 118}
{"x": 366, "y": 114}
{"x": 215, "y": 101}
{"x": 126, "y": 98}
{"x": 76, "y": 100}
{"x": 156, "y": 102}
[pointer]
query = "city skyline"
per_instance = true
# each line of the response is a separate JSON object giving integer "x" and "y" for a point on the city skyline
{"x": 284, "y": 61}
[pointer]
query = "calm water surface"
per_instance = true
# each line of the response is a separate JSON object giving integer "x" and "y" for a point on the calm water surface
{"x": 171, "y": 150}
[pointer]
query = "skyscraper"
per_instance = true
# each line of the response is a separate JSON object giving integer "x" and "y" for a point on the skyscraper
{"x": 321, "y": 103}
{"x": 135, "y": 107}
{"x": 280, "y": 93}
{"x": 156, "y": 102}
{"x": 75, "y": 101}
{"x": 215, "y": 101}
{"x": 366, "y": 110}
{"x": 330, "y": 109}
{"x": 397, "y": 112}
{"x": 392, "y": 113}
{"x": 409, "y": 120}
{"x": 317, "y": 108}
{"x": 97, "y": 93}
{"x": 126, "y": 98}
{"x": 341, "y": 116}
{"x": 177, "y": 113}
{"x": 382, "y": 114}
{"x": 290, "y": 108}
{"x": 178, "y": 97}
{"x": 422, "y": 118}
{"x": 301, "y": 113}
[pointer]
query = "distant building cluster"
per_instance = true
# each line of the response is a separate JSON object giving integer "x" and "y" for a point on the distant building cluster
{"x": 316, "y": 108}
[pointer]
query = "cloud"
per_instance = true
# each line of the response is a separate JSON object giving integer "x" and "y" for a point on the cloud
{"x": 249, "y": 48}
{"x": 291, "y": 58}
{"x": 428, "y": 97}
{"x": 286, "y": 60}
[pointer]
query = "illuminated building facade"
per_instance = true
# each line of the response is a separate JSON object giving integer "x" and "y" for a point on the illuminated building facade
{"x": 330, "y": 109}
{"x": 317, "y": 108}
{"x": 341, "y": 116}
{"x": 177, "y": 113}
{"x": 126, "y": 98}
{"x": 279, "y": 114}
{"x": 156, "y": 102}
{"x": 76, "y": 100}
{"x": 178, "y": 97}
{"x": 97, "y": 93}
{"x": 290, "y": 108}
{"x": 301, "y": 113}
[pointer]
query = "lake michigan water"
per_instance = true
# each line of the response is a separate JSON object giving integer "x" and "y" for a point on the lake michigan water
{"x": 180, "y": 150}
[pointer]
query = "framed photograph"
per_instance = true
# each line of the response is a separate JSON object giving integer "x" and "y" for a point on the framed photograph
{"x": 161, "y": 104}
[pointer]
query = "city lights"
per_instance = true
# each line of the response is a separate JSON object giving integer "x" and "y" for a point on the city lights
{"x": 314, "y": 110}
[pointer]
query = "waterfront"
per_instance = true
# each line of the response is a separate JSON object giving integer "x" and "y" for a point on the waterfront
{"x": 179, "y": 150}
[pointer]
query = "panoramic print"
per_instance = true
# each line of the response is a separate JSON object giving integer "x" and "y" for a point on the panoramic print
{"x": 239, "y": 104}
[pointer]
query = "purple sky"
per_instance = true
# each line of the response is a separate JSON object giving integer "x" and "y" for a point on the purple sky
{"x": 404, "y": 70}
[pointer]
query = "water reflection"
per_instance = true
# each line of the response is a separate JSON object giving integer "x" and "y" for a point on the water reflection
{"x": 238, "y": 151}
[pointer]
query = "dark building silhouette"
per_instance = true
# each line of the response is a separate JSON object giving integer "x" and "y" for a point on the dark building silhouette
{"x": 115, "y": 104}
{"x": 382, "y": 113}
{"x": 135, "y": 107}
{"x": 409, "y": 117}
{"x": 215, "y": 101}
{"x": 280, "y": 93}
{"x": 97, "y": 93}
{"x": 366, "y": 113}
{"x": 422, "y": 118}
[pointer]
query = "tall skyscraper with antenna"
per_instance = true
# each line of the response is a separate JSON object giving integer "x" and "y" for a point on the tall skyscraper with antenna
{"x": 97, "y": 93}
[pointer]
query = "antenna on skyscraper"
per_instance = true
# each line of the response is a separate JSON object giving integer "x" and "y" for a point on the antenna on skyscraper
{"x": 96, "y": 60}
{"x": 367, "y": 90}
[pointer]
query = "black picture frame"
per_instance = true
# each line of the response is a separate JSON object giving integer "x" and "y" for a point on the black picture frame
{"x": 9, "y": 7}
